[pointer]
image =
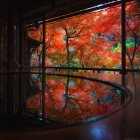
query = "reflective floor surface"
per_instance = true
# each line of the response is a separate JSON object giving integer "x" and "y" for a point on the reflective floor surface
{"x": 122, "y": 125}
{"x": 71, "y": 100}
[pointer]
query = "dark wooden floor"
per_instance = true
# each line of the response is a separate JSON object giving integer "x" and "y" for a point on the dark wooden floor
{"x": 123, "y": 125}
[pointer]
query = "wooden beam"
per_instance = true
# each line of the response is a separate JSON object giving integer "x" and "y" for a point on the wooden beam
{"x": 123, "y": 32}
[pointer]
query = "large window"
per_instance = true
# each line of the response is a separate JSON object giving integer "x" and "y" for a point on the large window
{"x": 90, "y": 40}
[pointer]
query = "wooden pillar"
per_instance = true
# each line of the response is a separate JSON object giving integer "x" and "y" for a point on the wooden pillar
{"x": 10, "y": 58}
{"x": 43, "y": 69}
{"x": 123, "y": 32}
{"x": 20, "y": 74}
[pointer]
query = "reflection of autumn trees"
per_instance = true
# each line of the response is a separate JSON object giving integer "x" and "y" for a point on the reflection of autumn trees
{"x": 74, "y": 100}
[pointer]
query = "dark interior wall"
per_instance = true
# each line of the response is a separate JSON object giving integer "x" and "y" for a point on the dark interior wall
{"x": 3, "y": 54}
{"x": 8, "y": 54}
{"x": 3, "y": 10}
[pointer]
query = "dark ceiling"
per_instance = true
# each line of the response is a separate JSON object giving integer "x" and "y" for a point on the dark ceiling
{"x": 29, "y": 7}
{"x": 29, "y": 3}
{"x": 39, "y": 7}
{"x": 36, "y": 8}
{"x": 54, "y": 8}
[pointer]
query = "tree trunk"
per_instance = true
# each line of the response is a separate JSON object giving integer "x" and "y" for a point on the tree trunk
{"x": 66, "y": 93}
{"x": 130, "y": 60}
{"x": 67, "y": 47}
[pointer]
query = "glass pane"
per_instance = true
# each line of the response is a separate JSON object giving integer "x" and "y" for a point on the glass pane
{"x": 33, "y": 47}
{"x": 133, "y": 35}
{"x": 88, "y": 40}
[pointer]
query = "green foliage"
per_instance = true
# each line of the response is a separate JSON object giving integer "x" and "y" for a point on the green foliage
{"x": 138, "y": 1}
{"x": 116, "y": 47}
{"x": 130, "y": 43}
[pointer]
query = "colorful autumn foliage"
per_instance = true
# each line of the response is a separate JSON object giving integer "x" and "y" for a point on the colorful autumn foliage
{"x": 133, "y": 36}
{"x": 92, "y": 39}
